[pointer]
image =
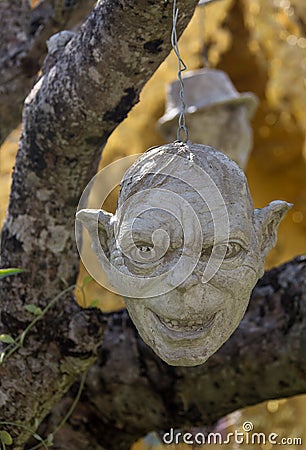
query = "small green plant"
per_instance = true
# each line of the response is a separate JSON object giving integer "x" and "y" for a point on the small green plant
{"x": 6, "y": 339}
{"x": 33, "y": 309}
{"x": 14, "y": 344}
{"x": 94, "y": 303}
{"x": 86, "y": 280}
{"x": 7, "y": 272}
{"x": 5, "y": 439}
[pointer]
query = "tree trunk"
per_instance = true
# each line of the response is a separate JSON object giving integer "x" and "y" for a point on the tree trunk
{"x": 67, "y": 118}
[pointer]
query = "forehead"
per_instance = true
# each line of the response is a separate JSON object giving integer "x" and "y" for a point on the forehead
{"x": 195, "y": 165}
{"x": 181, "y": 177}
{"x": 186, "y": 209}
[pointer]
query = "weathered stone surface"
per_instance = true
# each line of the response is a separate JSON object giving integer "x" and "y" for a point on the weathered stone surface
{"x": 185, "y": 248}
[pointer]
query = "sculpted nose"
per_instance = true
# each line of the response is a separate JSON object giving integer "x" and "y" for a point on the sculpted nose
{"x": 192, "y": 280}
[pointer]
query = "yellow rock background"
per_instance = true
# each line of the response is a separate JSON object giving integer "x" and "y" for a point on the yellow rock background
{"x": 260, "y": 44}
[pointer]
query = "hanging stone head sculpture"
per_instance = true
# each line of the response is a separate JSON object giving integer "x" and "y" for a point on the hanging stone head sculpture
{"x": 185, "y": 248}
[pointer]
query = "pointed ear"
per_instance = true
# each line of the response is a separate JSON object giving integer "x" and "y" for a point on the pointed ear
{"x": 93, "y": 218}
{"x": 266, "y": 222}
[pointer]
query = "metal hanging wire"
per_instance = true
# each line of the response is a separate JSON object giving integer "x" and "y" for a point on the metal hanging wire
{"x": 182, "y": 128}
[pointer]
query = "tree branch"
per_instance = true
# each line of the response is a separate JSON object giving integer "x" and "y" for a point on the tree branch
{"x": 66, "y": 120}
{"x": 23, "y": 36}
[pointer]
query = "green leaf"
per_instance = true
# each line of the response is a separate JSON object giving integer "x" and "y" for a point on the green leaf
{"x": 33, "y": 309}
{"x": 87, "y": 280}
{"x": 94, "y": 303}
{"x": 8, "y": 272}
{"x": 37, "y": 437}
{"x": 6, "y": 438}
{"x": 36, "y": 423}
{"x": 7, "y": 339}
{"x": 49, "y": 440}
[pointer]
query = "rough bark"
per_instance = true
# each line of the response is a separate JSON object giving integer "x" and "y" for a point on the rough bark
{"x": 130, "y": 391}
{"x": 67, "y": 118}
{"x": 23, "y": 36}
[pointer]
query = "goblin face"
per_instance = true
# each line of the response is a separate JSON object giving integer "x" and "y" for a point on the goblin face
{"x": 190, "y": 322}
{"x": 187, "y": 239}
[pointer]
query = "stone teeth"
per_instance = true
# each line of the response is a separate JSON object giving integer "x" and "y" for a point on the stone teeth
{"x": 177, "y": 325}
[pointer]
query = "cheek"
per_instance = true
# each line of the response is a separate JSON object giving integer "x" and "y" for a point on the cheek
{"x": 139, "y": 313}
{"x": 237, "y": 287}
{"x": 237, "y": 292}
{"x": 238, "y": 282}
{"x": 136, "y": 310}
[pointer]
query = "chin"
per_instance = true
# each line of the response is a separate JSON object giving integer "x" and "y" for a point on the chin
{"x": 187, "y": 360}
{"x": 179, "y": 347}
{"x": 174, "y": 341}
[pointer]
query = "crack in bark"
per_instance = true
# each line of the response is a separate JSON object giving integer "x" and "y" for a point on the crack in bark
{"x": 121, "y": 110}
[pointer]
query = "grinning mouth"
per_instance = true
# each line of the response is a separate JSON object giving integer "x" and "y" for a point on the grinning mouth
{"x": 191, "y": 325}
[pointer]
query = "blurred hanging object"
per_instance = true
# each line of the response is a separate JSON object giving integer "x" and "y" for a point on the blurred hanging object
{"x": 216, "y": 113}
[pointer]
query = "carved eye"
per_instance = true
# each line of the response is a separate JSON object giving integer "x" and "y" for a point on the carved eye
{"x": 232, "y": 249}
{"x": 144, "y": 253}
{"x": 206, "y": 251}
{"x": 144, "y": 248}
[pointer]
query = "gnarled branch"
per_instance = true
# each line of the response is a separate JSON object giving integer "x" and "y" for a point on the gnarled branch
{"x": 23, "y": 36}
